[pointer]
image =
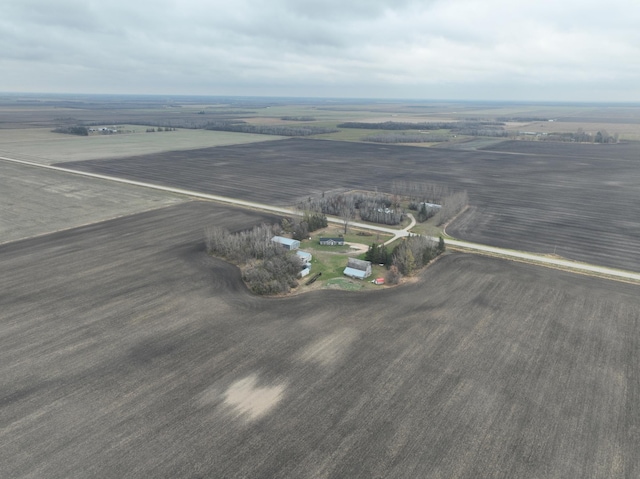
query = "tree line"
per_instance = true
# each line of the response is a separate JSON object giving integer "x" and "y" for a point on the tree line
{"x": 405, "y": 138}
{"x": 297, "y": 118}
{"x": 581, "y": 136}
{"x": 240, "y": 126}
{"x": 153, "y": 130}
{"x": 400, "y": 125}
{"x": 72, "y": 130}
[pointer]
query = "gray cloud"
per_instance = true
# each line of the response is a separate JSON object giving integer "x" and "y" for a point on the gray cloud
{"x": 574, "y": 50}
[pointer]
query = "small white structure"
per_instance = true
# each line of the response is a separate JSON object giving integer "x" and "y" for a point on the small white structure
{"x": 430, "y": 206}
{"x": 288, "y": 243}
{"x": 304, "y": 256}
{"x": 357, "y": 268}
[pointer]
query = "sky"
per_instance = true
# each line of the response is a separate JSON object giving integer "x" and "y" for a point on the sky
{"x": 534, "y": 50}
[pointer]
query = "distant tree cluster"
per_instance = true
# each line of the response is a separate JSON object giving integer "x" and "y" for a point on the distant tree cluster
{"x": 378, "y": 254}
{"x": 451, "y": 202}
{"x": 580, "y": 136}
{"x": 376, "y": 208}
{"x": 167, "y": 128}
{"x": 342, "y": 205}
{"x": 266, "y": 266}
{"x": 73, "y": 130}
{"x": 467, "y": 127}
{"x": 424, "y": 126}
{"x": 397, "y": 125}
{"x": 413, "y": 253}
{"x": 493, "y": 132}
{"x": 301, "y": 226}
{"x": 243, "y": 127}
{"x": 521, "y": 119}
{"x": 425, "y": 212}
{"x": 420, "y": 192}
{"x": 379, "y": 209}
{"x": 405, "y": 138}
{"x": 297, "y": 118}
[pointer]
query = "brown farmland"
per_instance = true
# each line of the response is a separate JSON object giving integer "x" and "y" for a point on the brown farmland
{"x": 579, "y": 201}
{"x": 127, "y": 352}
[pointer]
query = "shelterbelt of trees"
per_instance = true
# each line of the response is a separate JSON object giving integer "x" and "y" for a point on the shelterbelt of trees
{"x": 267, "y": 268}
{"x": 239, "y": 126}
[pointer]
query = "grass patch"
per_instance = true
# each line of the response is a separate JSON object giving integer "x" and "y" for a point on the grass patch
{"x": 344, "y": 283}
{"x": 331, "y": 265}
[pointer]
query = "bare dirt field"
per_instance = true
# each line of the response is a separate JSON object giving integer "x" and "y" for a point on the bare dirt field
{"x": 127, "y": 352}
{"x": 43, "y": 146}
{"x": 34, "y": 201}
{"x": 580, "y": 203}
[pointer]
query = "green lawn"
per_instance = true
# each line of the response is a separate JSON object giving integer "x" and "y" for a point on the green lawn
{"x": 331, "y": 260}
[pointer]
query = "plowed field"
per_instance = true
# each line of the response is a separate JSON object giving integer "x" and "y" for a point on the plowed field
{"x": 579, "y": 203}
{"x": 127, "y": 352}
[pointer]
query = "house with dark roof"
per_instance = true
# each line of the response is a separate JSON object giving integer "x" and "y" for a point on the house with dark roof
{"x": 332, "y": 241}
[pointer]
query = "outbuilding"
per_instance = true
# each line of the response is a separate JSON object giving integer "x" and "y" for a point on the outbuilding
{"x": 304, "y": 256}
{"x": 304, "y": 272}
{"x": 357, "y": 268}
{"x": 288, "y": 243}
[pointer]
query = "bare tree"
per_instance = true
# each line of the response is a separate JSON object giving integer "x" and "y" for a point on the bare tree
{"x": 347, "y": 212}
{"x": 451, "y": 206}
{"x": 394, "y": 275}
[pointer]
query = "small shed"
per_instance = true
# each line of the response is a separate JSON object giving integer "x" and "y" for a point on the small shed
{"x": 357, "y": 268}
{"x": 378, "y": 281}
{"x": 288, "y": 243}
{"x": 332, "y": 241}
{"x": 304, "y": 272}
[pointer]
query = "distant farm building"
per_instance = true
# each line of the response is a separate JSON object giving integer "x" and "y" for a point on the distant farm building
{"x": 430, "y": 206}
{"x": 332, "y": 241}
{"x": 357, "y": 268}
{"x": 288, "y": 243}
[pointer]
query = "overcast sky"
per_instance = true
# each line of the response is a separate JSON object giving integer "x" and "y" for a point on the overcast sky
{"x": 575, "y": 50}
